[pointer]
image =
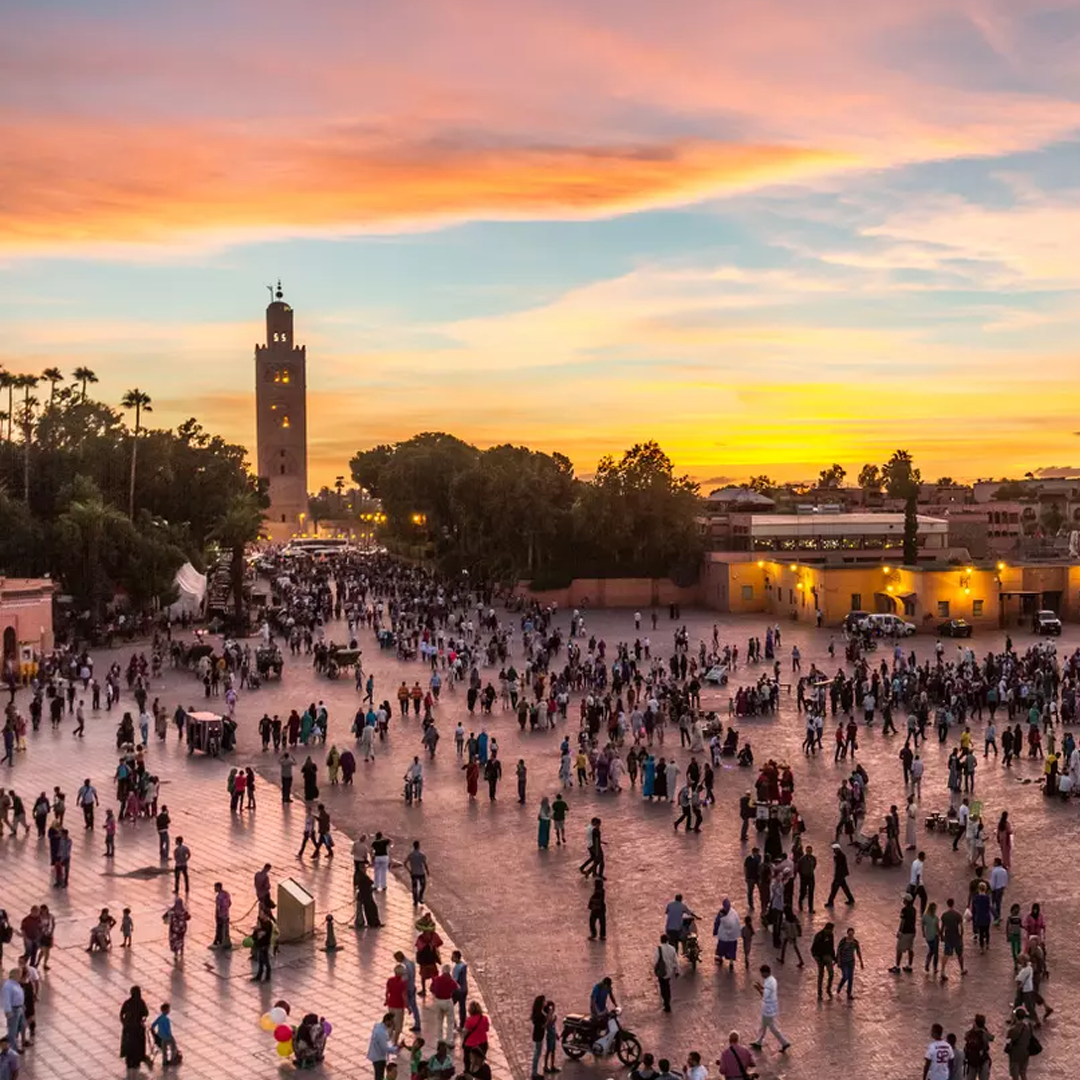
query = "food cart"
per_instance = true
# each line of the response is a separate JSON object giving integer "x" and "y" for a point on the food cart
{"x": 341, "y": 659}
{"x": 269, "y": 661}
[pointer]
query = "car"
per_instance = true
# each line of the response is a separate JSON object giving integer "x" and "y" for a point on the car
{"x": 955, "y": 628}
{"x": 853, "y": 620}
{"x": 888, "y": 625}
{"x": 1047, "y": 622}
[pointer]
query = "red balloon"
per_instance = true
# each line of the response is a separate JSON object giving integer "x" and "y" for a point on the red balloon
{"x": 283, "y": 1033}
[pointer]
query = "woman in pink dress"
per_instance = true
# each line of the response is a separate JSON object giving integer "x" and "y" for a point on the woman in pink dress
{"x": 1004, "y": 839}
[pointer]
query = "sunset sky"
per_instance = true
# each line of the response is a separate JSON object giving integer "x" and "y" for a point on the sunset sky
{"x": 771, "y": 235}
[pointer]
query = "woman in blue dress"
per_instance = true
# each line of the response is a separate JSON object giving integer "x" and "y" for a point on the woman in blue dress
{"x": 648, "y": 777}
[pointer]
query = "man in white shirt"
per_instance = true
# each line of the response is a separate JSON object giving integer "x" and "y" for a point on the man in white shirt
{"x": 999, "y": 878}
{"x": 770, "y": 1010}
{"x": 963, "y": 816}
{"x": 915, "y": 884}
{"x": 937, "y": 1064}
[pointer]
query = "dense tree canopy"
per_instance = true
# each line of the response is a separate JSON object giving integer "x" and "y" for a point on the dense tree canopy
{"x": 69, "y": 507}
{"x": 510, "y": 511}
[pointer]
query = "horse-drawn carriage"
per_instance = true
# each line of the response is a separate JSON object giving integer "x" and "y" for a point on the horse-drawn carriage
{"x": 269, "y": 661}
{"x": 340, "y": 659}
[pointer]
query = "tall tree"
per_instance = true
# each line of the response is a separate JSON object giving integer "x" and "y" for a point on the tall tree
{"x": 901, "y": 480}
{"x": 832, "y": 478}
{"x": 140, "y": 401}
{"x": 52, "y": 375}
{"x": 83, "y": 376}
{"x": 367, "y": 467}
{"x": 870, "y": 478}
{"x": 241, "y": 525}
{"x": 7, "y": 382}
{"x": 763, "y": 484}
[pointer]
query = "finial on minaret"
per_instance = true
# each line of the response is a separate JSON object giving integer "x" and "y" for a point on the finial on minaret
{"x": 279, "y": 294}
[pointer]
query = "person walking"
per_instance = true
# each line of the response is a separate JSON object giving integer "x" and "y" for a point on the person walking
{"x": 847, "y": 952}
{"x": 665, "y": 968}
{"x": 905, "y": 936}
{"x": 770, "y": 1010}
{"x": 598, "y": 911}
{"x": 181, "y": 858}
{"x": 840, "y": 876}
{"x": 417, "y": 865}
{"x": 380, "y": 1045}
{"x": 736, "y": 1061}
{"x": 823, "y": 950}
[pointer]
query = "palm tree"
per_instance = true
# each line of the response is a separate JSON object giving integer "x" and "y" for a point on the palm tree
{"x": 52, "y": 375}
{"x": 138, "y": 400}
{"x": 7, "y": 381}
{"x": 84, "y": 375}
{"x": 26, "y": 420}
{"x": 240, "y": 525}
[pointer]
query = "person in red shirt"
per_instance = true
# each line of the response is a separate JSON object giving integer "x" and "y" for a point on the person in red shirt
{"x": 443, "y": 988}
{"x": 397, "y": 1000}
{"x": 476, "y": 1029}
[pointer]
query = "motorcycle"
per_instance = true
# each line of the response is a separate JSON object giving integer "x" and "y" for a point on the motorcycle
{"x": 600, "y": 1036}
{"x": 690, "y": 945}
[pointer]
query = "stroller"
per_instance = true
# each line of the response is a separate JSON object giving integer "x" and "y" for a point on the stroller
{"x": 868, "y": 848}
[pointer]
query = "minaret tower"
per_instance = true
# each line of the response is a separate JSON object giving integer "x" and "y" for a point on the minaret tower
{"x": 281, "y": 420}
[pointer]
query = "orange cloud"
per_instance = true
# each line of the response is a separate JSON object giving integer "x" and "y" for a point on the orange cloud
{"x": 73, "y": 185}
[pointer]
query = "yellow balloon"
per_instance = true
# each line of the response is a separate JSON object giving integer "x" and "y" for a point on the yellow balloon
{"x": 266, "y": 1022}
{"x": 285, "y": 1049}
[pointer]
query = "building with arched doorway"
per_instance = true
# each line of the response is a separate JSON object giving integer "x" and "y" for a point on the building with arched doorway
{"x": 26, "y": 624}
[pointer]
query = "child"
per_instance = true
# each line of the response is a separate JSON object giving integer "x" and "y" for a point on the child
{"x": 110, "y": 834}
{"x": 127, "y": 928}
{"x": 747, "y": 935}
{"x": 161, "y": 1030}
{"x": 417, "y": 1061}
{"x": 1014, "y": 931}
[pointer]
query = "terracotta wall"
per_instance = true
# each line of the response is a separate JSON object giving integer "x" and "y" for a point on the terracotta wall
{"x": 642, "y": 593}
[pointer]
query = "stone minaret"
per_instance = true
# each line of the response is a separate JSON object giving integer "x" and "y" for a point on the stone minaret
{"x": 281, "y": 421}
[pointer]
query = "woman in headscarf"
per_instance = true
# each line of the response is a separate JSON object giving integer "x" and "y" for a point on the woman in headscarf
{"x": 427, "y": 950}
{"x": 726, "y": 928}
{"x": 309, "y": 770}
{"x": 543, "y": 835}
{"x": 133, "y": 1017}
{"x": 333, "y": 764}
{"x": 348, "y": 767}
{"x": 177, "y": 917}
{"x": 648, "y": 777}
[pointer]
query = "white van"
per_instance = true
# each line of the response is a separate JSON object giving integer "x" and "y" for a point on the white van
{"x": 888, "y": 626}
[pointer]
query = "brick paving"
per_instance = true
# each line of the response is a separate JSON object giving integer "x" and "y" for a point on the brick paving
{"x": 215, "y": 1006}
{"x": 519, "y": 914}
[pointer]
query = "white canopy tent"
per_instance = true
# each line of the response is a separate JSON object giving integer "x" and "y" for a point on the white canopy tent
{"x": 192, "y": 586}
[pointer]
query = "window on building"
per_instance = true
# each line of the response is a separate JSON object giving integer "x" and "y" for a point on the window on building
{"x": 282, "y": 519}
{"x": 976, "y": 608}
{"x": 856, "y": 601}
{"x": 748, "y": 592}
{"x": 943, "y": 609}
{"x": 282, "y": 470}
{"x": 285, "y": 421}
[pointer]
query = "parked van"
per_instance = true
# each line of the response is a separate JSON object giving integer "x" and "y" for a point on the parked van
{"x": 887, "y": 625}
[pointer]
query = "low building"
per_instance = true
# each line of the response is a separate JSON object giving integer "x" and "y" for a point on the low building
{"x": 26, "y": 624}
{"x": 836, "y": 538}
{"x": 995, "y": 595}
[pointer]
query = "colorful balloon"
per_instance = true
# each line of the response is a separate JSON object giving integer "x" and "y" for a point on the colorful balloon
{"x": 266, "y": 1022}
{"x": 278, "y": 1015}
{"x": 327, "y": 1027}
{"x": 283, "y": 1033}
{"x": 248, "y": 942}
{"x": 284, "y": 1049}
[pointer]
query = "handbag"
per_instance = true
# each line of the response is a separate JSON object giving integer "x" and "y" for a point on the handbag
{"x": 1034, "y": 1046}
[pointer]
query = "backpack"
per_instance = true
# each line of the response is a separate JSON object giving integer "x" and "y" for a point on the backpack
{"x": 975, "y": 1047}
{"x": 660, "y": 968}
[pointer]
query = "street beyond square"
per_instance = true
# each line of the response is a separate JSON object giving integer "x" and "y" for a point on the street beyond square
{"x": 825, "y": 842}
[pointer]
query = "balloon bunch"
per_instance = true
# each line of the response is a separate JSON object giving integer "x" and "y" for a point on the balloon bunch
{"x": 276, "y": 1020}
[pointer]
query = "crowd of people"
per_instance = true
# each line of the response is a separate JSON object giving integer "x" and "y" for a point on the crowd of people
{"x": 614, "y": 710}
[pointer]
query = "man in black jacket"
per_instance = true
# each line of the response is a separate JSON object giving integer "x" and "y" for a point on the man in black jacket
{"x": 840, "y": 876}
{"x": 807, "y": 866}
{"x": 823, "y": 950}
